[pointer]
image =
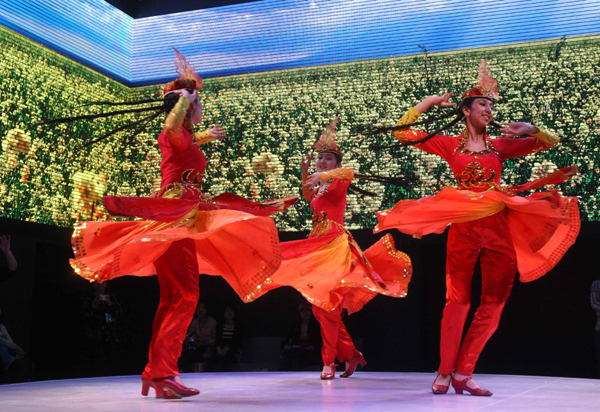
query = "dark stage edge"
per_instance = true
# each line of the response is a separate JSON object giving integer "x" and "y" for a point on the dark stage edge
{"x": 304, "y": 391}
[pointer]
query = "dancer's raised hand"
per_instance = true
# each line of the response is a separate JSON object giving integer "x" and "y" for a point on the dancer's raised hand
{"x": 305, "y": 163}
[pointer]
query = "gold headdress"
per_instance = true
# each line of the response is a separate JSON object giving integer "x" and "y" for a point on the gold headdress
{"x": 326, "y": 143}
{"x": 486, "y": 86}
{"x": 188, "y": 78}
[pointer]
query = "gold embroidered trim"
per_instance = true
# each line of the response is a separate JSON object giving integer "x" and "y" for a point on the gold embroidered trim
{"x": 545, "y": 140}
{"x": 203, "y": 138}
{"x": 408, "y": 135}
{"x": 340, "y": 173}
{"x": 179, "y": 191}
{"x": 475, "y": 175}
{"x": 462, "y": 150}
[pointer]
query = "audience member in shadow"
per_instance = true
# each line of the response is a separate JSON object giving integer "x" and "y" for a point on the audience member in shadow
{"x": 15, "y": 366}
{"x": 101, "y": 314}
{"x": 302, "y": 346}
{"x": 10, "y": 268}
{"x": 228, "y": 343}
{"x": 199, "y": 344}
{"x": 595, "y": 300}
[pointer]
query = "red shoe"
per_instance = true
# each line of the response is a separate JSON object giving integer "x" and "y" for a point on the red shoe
{"x": 160, "y": 393}
{"x": 438, "y": 389}
{"x": 459, "y": 386}
{"x": 351, "y": 365}
{"x": 328, "y": 375}
{"x": 167, "y": 388}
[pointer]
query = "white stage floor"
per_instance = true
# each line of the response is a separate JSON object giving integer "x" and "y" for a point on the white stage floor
{"x": 304, "y": 391}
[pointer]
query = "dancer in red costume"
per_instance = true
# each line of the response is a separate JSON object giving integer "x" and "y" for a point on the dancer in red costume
{"x": 185, "y": 233}
{"x": 507, "y": 232}
{"x": 329, "y": 268}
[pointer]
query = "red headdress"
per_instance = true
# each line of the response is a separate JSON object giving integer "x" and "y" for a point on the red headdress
{"x": 326, "y": 143}
{"x": 188, "y": 78}
{"x": 486, "y": 86}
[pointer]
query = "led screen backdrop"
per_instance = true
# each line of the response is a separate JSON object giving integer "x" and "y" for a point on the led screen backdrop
{"x": 284, "y": 34}
{"x": 46, "y": 175}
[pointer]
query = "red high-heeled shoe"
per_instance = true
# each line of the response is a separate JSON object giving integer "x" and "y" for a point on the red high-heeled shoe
{"x": 328, "y": 375}
{"x": 167, "y": 388}
{"x": 438, "y": 389}
{"x": 351, "y": 365}
{"x": 149, "y": 383}
{"x": 460, "y": 386}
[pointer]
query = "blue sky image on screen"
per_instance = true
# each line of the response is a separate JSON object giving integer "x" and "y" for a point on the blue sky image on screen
{"x": 275, "y": 34}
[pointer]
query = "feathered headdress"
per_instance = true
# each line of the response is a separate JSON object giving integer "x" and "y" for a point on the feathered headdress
{"x": 486, "y": 86}
{"x": 188, "y": 78}
{"x": 326, "y": 143}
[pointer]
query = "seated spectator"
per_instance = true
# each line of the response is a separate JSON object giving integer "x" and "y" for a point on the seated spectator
{"x": 199, "y": 344}
{"x": 302, "y": 346}
{"x": 10, "y": 269}
{"x": 228, "y": 343}
{"x": 15, "y": 366}
{"x": 101, "y": 315}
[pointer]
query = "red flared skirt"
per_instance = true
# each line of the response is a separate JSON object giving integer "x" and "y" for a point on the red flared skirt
{"x": 241, "y": 247}
{"x": 331, "y": 270}
{"x": 542, "y": 226}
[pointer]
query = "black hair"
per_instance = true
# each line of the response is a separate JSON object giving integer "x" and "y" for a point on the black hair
{"x": 138, "y": 126}
{"x": 457, "y": 113}
{"x": 338, "y": 158}
{"x": 372, "y": 178}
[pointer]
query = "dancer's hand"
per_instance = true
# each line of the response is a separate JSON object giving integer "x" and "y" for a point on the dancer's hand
{"x": 313, "y": 180}
{"x": 440, "y": 101}
{"x": 517, "y": 129}
{"x": 192, "y": 97}
{"x": 217, "y": 132}
{"x": 305, "y": 163}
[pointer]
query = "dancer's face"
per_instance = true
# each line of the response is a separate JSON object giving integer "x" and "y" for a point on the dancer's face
{"x": 480, "y": 114}
{"x": 326, "y": 161}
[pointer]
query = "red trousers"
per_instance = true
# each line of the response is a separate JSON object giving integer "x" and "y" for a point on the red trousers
{"x": 336, "y": 341}
{"x": 489, "y": 238}
{"x": 177, "y": 271}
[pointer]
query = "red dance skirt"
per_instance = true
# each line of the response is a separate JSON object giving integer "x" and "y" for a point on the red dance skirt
{"x": 542, "y": 226}
{"x": 236, "y": 241}
{"x": 331, "y": 270}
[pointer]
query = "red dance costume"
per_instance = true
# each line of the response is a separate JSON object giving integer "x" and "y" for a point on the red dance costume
{"x": 509, "y": 232}
{"x": 332, "y": 272}
{"x": 182, "y": 235}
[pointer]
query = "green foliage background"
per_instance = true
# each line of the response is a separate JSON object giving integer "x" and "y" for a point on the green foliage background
{"x": 281, "y": 114}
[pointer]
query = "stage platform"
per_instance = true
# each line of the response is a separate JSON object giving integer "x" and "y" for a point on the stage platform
{"x": 304, "y": 391}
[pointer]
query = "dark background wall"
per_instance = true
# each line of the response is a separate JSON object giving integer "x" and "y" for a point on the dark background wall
{"x": 547, "y": 327}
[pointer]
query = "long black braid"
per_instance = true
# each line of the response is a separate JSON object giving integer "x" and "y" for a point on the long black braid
{"x": 456, "y": 112}
{"x": 168, "y": 102}
{"x": 396, "y": 181}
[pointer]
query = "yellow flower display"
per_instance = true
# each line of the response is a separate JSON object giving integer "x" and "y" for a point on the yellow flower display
{"x": 48, "y": 175}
